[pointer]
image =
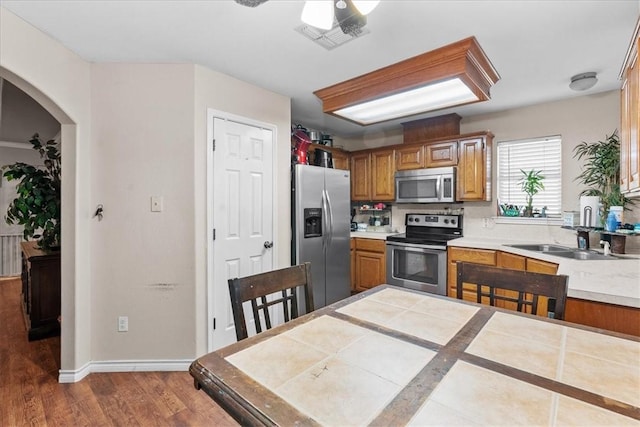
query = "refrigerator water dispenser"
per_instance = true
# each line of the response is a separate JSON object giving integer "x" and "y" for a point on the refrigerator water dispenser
{"x": 312, "y": 222}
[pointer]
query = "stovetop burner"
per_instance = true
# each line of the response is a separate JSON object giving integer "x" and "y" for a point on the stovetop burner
{"x": 429, "y": 229}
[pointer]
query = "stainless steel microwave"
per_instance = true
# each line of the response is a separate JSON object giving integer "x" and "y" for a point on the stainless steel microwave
{"x": 432, "y": 185}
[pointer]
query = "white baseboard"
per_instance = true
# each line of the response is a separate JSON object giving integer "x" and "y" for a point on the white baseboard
{"x": 72, "y": 376}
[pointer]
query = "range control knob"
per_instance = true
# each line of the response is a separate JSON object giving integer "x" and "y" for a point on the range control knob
{"x": 446, "y": 221}
{"x": 417, "y": 219}
{"x": 453, "y": 221}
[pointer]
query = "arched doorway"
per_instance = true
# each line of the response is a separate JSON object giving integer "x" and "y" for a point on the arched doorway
{"x": 68, "y": 143}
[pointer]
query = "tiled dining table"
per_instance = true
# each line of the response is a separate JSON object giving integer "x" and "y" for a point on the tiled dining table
{"x": 391, "y": 356}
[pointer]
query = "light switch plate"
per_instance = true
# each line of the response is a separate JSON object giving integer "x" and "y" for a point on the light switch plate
{"x": 156, "y": 204}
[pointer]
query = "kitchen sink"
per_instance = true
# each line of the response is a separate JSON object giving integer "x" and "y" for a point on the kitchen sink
{"x": 583, "y": 255}
{"x": 565, "y": 252}
{"x": 542, "y": 248}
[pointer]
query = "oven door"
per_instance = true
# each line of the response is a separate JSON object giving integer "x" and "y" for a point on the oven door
{"x": 416, "y": 267}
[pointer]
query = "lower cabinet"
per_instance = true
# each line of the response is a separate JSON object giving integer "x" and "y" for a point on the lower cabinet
{"x": 40, "y": 291}
{"x": 601, "y": 315}
{"x": 369, "y": 259}
{"x": 494, "y": 258}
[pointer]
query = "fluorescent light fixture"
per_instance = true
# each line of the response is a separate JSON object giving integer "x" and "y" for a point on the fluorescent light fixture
{"x": 427, "y": 98}
{"x": 365, "y": 6}
{"x": 456, "y": 74}
{"x": 318, "y": 13}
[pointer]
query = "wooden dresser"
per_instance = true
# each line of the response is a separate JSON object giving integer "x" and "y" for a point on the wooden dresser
{"x": 40, "y": 291}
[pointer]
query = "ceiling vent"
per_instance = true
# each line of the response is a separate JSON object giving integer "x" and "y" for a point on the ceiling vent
{"x": 332, "y": 38}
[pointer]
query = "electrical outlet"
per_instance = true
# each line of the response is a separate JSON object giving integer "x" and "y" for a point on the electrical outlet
{"x": 123, "y": 324}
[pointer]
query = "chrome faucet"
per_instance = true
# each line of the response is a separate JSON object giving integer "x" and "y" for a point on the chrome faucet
{"x": 607, "y": 247}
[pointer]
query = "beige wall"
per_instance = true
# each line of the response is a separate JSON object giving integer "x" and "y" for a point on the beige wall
{"x": 585, "y": 118}
{"x": 146, "y": 127}
{"x": 223, "y": 93}
{"x": 143, "y": 261}
{"x": 60, "y": 81}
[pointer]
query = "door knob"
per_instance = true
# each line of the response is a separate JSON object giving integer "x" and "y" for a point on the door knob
{"x": 268, "y": 245}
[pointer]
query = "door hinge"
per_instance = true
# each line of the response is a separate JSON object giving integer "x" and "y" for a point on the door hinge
{"x": 214, "y": 323}
{"x": 214, "y": 234}
{"x": 213, "y": 142}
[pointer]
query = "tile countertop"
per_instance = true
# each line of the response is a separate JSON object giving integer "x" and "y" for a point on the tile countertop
{"x": 614, "y": 282}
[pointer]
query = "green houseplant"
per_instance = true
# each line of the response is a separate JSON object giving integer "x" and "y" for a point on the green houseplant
{"x": 601, "y": 171}
{"x": 531, "y": 184}
{"x": 37, "y": 205}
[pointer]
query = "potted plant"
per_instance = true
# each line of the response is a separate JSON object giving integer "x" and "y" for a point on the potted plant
{"x": 601, "y": 171}
{"x": 37, "y": 205}
{"x": 531, "y": 184}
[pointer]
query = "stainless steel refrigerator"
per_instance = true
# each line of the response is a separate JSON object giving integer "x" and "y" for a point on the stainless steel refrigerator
{"x": 320, "y": 218}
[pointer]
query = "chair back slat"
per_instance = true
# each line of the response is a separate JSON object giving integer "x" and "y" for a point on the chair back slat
{"x": 257, "y": 287}
{"x": 529, "y": 286}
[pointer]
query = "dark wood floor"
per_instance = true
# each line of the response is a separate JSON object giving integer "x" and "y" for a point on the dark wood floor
{"x": 31, "y": 395}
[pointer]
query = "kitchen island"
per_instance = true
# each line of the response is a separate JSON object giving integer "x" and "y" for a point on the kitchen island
{"x": 393, "y": 356}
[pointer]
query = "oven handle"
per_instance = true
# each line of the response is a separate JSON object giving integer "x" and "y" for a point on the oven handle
{"x": 417, "y": 248}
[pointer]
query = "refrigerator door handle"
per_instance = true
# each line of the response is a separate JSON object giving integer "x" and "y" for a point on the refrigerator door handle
{"x": 330, "y": 211}
{"x": 325, "y": 220}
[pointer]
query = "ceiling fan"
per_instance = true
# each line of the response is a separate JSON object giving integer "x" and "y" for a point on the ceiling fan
{"x": 350, "y": 14}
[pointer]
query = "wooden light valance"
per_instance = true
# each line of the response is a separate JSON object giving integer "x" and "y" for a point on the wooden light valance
{"x": 464, "y": 60}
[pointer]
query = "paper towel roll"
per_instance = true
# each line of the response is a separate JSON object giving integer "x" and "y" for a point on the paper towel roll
{"x": 589, "y": 214}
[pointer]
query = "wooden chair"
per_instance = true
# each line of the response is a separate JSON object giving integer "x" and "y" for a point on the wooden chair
{"x": 527, "y": 285}
{"x": 256, "y": 288}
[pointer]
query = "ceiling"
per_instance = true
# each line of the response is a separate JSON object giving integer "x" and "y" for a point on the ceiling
{"x": 536, "y": 46}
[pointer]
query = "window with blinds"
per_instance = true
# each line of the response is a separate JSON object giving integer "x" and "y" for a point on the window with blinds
{"x": 526, "y": 154}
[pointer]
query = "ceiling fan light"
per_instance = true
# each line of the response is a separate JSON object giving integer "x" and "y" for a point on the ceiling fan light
{"x": 365, "y": 6}
{"x": 420, "y": 100}
{"x": 318, "y": 13}
{"x": 583, "y": 81}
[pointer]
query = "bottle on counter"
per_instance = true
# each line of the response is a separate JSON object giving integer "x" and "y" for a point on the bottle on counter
{"x": 612, "y": 222}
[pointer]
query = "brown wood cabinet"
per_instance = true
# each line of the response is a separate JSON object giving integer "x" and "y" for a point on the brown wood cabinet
{"x": 40, "y": 291}
{"x": 370, "y": 263}
{"x": 373, "y": 171}
{"x": 601, "y": 315}
{"x": 441, "y": 154}
{"x": 494, "y": 258}
{"x": 474, "y": 169}
{"x": 360, "y": 176}
{"x": 629, "y": 121}
{"x": 372, "y": 175}
{"x": 410, "y": 157}
{"x": 382, "y": 175}
{"x": 353, "y": 264}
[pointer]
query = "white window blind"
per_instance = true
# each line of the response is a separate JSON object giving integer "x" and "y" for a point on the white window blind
{"x": 527, "y": 154}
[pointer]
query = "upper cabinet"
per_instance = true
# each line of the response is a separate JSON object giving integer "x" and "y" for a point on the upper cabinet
{"x": 372, "y": 175}
{"x": 474, "y": 169}
{"x": 441, "y": 154}
{"x": 630, "y": 117}
{"x": 361, "y": 176}
{"x": 383, "y": 175}
{"x": 410, "y": 157}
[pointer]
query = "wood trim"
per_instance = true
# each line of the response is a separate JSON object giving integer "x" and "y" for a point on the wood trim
{"x": 464, "y": 59}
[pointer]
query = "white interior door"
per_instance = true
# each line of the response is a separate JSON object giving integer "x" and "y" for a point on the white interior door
{"x": 242, "y": 215}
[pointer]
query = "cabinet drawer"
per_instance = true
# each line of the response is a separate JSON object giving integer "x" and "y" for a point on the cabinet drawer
{"x": 371, "y": 245}
{"x": 477, "y": 256}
